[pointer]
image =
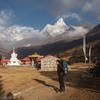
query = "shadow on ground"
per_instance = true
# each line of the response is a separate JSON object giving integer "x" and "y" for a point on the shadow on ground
{"x": 50, "y": 74}
{"x": 48, "y": 85}
{"x": 73, "y": 79}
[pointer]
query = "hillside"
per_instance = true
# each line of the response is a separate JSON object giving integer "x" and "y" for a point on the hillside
{"x": 95, "y": 30}
{"x": 76, "y": 54}
{"x": 59, "y": 47}
{"x": 93, "y": 40}
{"x": 56, "y": 48}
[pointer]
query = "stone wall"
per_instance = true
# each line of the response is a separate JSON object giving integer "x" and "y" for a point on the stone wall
{"x": 48, "y": 63}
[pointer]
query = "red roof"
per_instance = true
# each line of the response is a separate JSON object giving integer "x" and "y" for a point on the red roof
{"x": 49, "y": 55}
{"x": 38, "y": 59}
{"x": 26, "y": 59}
{"x": 6, "y": 60}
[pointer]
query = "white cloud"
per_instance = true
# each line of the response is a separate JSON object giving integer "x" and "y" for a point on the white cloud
{"x": 58, "y": 7}
{"x": 80, "y": 29}
{"x": 71, "y": 3}
{"x": 5, "y": 20}
{"x": 17, "y": 33}
{"x": 72, "y": 15}
{"x": 77, "y": 33}
{"x": 88, "y": 7}
{"x": 92, "y": 6}
{"x": 5, "y": 17}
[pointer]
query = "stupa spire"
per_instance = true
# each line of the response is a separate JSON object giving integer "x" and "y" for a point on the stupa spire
{"x": 13, "y": 60}
{"x": 13, "y": 49}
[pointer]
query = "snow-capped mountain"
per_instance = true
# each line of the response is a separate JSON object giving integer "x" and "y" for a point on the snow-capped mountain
{"x": 60, "y": 31}
{"x": 53, "y": 30}
{"x": 23, "y": 36}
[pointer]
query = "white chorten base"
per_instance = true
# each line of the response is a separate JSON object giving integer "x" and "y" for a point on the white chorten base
{"x": 13, "y": 64}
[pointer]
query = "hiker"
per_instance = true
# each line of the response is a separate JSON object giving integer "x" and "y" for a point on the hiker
{"x": 61, "y": 73}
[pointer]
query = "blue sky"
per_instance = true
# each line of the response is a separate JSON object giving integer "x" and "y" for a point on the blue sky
{"x": 25, "y": 19}
{"x": 27, "y": 12}
{"x": 38, "y": 13}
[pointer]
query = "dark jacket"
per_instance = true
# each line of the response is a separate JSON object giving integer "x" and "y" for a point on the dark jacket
{"x": 60, "y": 70}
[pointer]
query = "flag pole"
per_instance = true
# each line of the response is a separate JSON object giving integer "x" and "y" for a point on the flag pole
{"x": 84, "y": 47}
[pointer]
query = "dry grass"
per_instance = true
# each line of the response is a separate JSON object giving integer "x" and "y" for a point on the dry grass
{"x": 15, "y": 79}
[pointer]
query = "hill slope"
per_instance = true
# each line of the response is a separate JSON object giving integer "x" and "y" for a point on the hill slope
{"x": 57, "y": 47}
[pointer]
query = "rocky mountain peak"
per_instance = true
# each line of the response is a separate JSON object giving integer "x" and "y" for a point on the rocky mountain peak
{"x": 60, "y": 22}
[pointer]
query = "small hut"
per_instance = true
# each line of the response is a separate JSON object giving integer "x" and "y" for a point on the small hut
{"x": 34, "y": 58}
{"x": 26, "y": 61}
{"x": 48, "y": 63}
{"x": 4, "y": 62}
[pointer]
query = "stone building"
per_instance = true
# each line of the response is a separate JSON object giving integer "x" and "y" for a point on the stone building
{"x": 48, "y": 63}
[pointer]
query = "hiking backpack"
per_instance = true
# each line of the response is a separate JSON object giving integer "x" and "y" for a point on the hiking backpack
{"x": 65, "y": 67}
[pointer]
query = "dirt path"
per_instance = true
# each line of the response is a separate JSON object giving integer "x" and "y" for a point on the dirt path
{"x": 47, "y": 91}
{"x": 38, "y": 85}
{"x": 77, "y": 88}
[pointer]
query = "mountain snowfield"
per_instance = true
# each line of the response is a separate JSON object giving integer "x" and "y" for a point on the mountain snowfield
{"x": 58, "y": 28}
{"x": 27, "y": 36}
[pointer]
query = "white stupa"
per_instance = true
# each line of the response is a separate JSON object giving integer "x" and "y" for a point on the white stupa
{"x": 13, "y": 60}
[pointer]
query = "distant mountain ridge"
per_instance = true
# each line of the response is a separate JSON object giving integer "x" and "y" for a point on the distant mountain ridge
{"x": 95, "y": 30}
{"x": 25, "y": 36}
{"x": 57, "y": 47}
{"x": 56, "y": 38}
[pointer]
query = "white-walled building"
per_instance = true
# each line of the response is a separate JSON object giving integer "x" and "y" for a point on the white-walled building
{"x": 48, "y": 63}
